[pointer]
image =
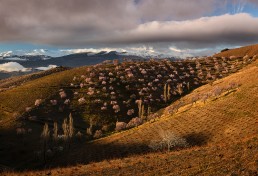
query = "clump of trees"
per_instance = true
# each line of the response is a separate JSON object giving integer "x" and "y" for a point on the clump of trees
{"x": 68, "y": 130}
{"x": 50, "y": 139}
{"x": 167, "y": 94}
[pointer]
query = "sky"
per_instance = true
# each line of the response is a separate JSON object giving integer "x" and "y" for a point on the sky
{"x": 144, "y": 27}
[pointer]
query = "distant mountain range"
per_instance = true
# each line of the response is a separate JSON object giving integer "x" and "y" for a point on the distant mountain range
{"x": 72, "y": 60}
{"x": 41, "y": 62}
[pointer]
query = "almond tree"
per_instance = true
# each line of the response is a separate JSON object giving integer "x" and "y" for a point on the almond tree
{"x": 168, "y": 140}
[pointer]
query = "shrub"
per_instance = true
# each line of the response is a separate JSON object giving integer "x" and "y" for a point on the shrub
{"x": 79, "y": 135}
{"x": 168, "y": 140}
{"x": 217, "y": 91}
{"x": 98, "y": 134}
{"x": 134, "y": 122}
{"x": 38, "y": 102}
{"x": 120, "y": 126}
{"x": 82, "y": 101}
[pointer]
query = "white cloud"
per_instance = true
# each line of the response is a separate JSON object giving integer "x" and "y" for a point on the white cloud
{"x": 90, "y": 50}
{"x": 107, "y": 25}
{"x": 217, "y": 29}
{"x": 95, "y": 22}
{"x": 36, "y": 52}
{"x": 13, "y": 67}
{"x": 176, "y": 50}
{"x": 202, "y": 36}
{"x": 46, "y": 68}
{"x": 15, "y": 59}
{"x": 6, "y": 53}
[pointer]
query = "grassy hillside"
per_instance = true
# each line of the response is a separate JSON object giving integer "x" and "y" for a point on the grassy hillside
{"x": 99, "y": 96}
{"x": 235, "y": 159}
{"x": 251, "y": 50}
{"x": 222, "y": 130}
{"x": 229, "y": 117}
{"x": 19, "y": 80}
{"x": 124, "y": 84}
{"x": 21, "y": 92}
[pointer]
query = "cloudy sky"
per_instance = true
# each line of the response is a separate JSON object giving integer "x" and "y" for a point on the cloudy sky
{"x": 150, "y": 27}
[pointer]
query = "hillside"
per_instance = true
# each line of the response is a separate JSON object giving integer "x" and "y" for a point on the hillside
{"x": 19, "y": 80}
{"x": 229, "y": 117}
{"x": 237, "y": 159}
{"x": 93, "y": 90}
{"x": 251, "y": 50}
{"x": 98, "y": 97}
{"x": 222, "y": 130}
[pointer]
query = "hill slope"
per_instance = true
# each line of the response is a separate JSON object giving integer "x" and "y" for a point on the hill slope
{"x": 19, "y": 80}
{"x": 235, "y": 159}
{"x": 229, "y": 117}
{"x": 240, "y": 52}
{"x": 98, "y": 86}
{"x": 223, "y": 131}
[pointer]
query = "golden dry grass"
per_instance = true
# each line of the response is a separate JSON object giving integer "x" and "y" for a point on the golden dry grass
{"x": 226, "y": 119}
{"x": 223, "y": 131}
{"x": 19, "y": 80}
{"x": 235, "y": 159}
{"x": 240, "y": 52}
{"x": 15, "y": 100}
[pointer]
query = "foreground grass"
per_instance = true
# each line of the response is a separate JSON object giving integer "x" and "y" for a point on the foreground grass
{"x": 235, "y": 159}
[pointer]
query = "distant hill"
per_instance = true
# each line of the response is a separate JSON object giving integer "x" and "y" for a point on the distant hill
{"x": 81, "y": 59}
{"x": 19, "y": 80}
{"x": 72, "y": 60}
{"x": 240, "y": 52}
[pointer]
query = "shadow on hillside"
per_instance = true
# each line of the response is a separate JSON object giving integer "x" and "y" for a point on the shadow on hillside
{"x": 18, "y": 152}
{"x": 79, "y": 153}
{"x": 90, "y": 153}
{"x": 97, "y": 152}
{"x": 197, "y": 139}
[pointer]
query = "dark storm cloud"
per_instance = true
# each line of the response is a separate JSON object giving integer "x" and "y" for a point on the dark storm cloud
{"x": 58, "y": 20}
{"x": 119, "y": 22}
{"x": 218, "y": 29}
